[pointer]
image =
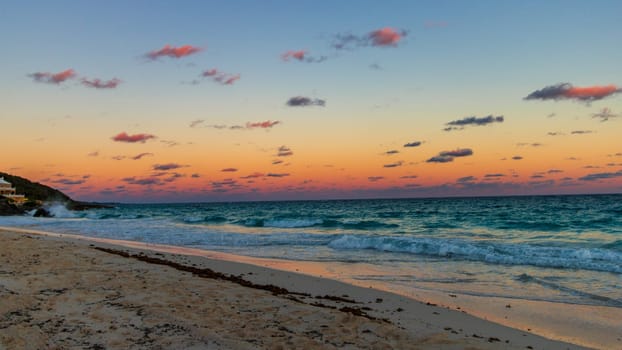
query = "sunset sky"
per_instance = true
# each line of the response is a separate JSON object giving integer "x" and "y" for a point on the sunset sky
{"x": 160, "y": 101}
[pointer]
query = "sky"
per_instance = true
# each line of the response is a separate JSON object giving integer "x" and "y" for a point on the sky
{"x": 191, "y": 101}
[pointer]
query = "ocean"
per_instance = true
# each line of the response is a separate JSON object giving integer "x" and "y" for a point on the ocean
{"x": 560, "y": 249}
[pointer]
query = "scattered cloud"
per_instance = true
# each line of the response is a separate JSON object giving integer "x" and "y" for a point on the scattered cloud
{"x": 408, "y": 177}
{"x": 196, "y": 123}
{"x": 384, "y": 37}
{"x": 229, "y": 170}
{"x": 253, "y": 175}
{"x": 494, "y": 175}
{"x": 440, "y": 159}
{"x": 601, "y": 176}
{"x": 99, "y": 84}
{"x": 565, "y": 91}
{"x": 393, "y": 165}
{"x": 141, "y": 155}
{"x": 199, "y": 123}
{"x": 534, "y": 144}
{"x": 53, "y": 78}
{"x": 93, "y": 154}
{"x": 460, "y": 152}
{"x": 301, "y": 56}
{"x": 517, "y": 157}
{"x": 195, "y": 176}
{"x": 284, "y": 151}
{"x": 170, "y": 143}
{"x": 448, "y": 156}
{"x": 277, "y": 174}
{"x": 604, "y": 114}
{"x": 468, "y": 121}
{"x": 391, "y": 152}
{"x": 277, "y": 161}
{"x": 173, "y": 52}
{"x": 147, "y": 181}
{"x": 69, "y": 182}
{"x": 581, "y": 132}
{"x": 262, "y": 125}
{"x": 168, "y": 166}
{"x": 375, "y": 66}
{"x": 220, "y": 77}
{"x": 124, "y": 137}
{"x": 466, "y": 179}
{"x": 375, "y": 178}
{"x": 413, "y": 144}
{"x": 550, "y": 133}
{"x": 301, "y": 101}
{"x": 554, "y": 171}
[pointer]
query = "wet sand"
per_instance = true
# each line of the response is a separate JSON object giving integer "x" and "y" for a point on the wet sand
{"x": 60, "y": 292}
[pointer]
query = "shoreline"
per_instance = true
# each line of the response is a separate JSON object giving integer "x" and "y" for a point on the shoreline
{"x": 425, "y": 325}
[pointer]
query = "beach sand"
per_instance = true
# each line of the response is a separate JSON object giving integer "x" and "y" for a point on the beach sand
{"x": 59, "y": 292}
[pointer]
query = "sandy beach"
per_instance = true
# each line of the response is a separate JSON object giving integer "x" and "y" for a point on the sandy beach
{"x": 67, "y": 293}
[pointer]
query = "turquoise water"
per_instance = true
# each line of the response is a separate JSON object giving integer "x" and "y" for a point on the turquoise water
{"x": 554, "y": 248}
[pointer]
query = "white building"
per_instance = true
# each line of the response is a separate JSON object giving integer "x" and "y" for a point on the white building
{"x": 8, "y": 191}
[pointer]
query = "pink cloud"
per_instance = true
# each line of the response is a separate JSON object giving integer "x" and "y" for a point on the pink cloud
{"x": 174, "y": 52}
{"x": 139, "y": 156}
{"x": 298, "y": 55}
{"x": 221, "y": 77}
{"x": 124, "y": 137}
{"x": 264, "y": 125}
{"x": 99, "y": 84}
{"x": 385, "y": 37}
{"x": 53, "y": 78}
{"x": 253, "y": 175}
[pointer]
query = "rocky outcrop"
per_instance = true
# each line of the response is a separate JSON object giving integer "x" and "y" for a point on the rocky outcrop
{"x": 37, "y": 195}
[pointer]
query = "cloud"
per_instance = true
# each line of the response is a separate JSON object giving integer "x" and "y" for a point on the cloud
{"x": 199, "y": 123}
{"x": 53, "y": 78}
{"x": 408, "y": 177}
{"x": 517, "y": 157}
{"x": 393, "y": 165}
{"x": 554, "y": 171}
{"x": 195, "y": 176}
{"x": 93, "y": 154}
{"x": 277, "y": 161}
{"x": 124, "y": 137}
{"x": 253, "y": 175}
{"x": 413, "y": 144}
{"x": 440, "y": 159}
{"x": 173, "y": 52}
{"x": 220, "y": 77}
{"x": 99, "y": 84}
{"x": 460, "y": 152}
{"x": 148, "y": 181}
{"x": 390, "y": 152}
{"x": 494, "y": 175}
{"x": 535, "y": 144}
{"x": 467, "y": 121}
{"x": 284, "y": 151}
{"x": 168, "y": 166}
{"x": 466, "y": 179}
{"x": 225, "y": 182}
{"x": 301, "y": 101}
{"x": 229, "y": 170}
{"x": 448, "y": 156}
{"x": 301, "y": 56}
{"x": 601, "y": 176}
{"x": 581, "y": 132}
{"x": 554, "y": 133}
{"x": 375, "y": 178}
{"x": 604, "y": 114}
{"x": 195, "y": 123}
{"x": 69, "y": 181}
{"x": 383, "y": 37}
{"x": 277, "y": 174}
{"x": 565, "y": 91}
{"x": 141, "y": 155}
{"x": 263, "y": 125}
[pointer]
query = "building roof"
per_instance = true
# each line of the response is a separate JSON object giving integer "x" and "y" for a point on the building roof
{"x": 3, "y": 181}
